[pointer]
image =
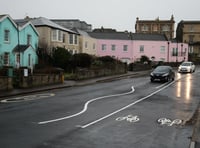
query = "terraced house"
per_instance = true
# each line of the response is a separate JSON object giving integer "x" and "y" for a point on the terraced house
{"x": 129, "y": 47}
{"x": 18, "y": 43}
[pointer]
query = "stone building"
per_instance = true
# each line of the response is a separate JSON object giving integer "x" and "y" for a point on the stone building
{"x": 156, "y": 26}
{"x": 189, "y": 32}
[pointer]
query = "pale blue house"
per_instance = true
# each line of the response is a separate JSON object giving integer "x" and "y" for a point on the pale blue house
{"x": 18, "y": 43}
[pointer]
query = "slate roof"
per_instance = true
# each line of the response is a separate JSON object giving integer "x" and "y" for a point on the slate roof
{"x": 110, "y": 35}
{"x": 41, "y": 21}
{"x": 149, "y": 37}
{"x": 1, "y": 16}
{"x": 190, "y": 22}
{"x": 128, "y": 36}
{"x": 21, "y": 22}
{"x": 81, "y": 32}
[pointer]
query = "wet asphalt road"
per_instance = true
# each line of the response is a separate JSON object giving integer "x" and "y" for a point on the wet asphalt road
{"x": 126, "y": 113}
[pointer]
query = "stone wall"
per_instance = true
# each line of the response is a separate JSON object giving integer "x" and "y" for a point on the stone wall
{"x": 92, "y": 73}
{"x": 40, "y": 80}
{"x": 6, "y": 83}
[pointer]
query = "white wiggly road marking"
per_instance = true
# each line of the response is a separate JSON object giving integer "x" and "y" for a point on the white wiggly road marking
{"x": 117, "y": 111}
{"x": 86, "y": 106}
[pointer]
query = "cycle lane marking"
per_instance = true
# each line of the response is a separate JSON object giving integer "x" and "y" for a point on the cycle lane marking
{"x": 128, "y": 118}
{"x": 86, "y": 107}
{"x": 169, "y": 122}
{"x": 27, "y": 98}
{"x": 125, "y": 107}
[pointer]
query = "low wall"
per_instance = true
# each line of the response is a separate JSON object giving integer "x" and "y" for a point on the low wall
{"x": 40, "y": 80}
{"x": 92, "y": 73}
{"x": 6, "y": 83}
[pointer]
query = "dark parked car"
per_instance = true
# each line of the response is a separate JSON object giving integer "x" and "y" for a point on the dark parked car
{"x": 162, "y": 73}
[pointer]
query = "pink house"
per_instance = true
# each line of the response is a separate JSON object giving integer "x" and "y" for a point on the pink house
{"x": 129, "y": 47}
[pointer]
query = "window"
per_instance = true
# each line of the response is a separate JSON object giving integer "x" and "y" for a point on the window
{"x": 75, "y": 39}
{"x": 60, "y": 36}
{"x": 165, "y": 28}
{"x": 6, "y": 36}
{"x": 155, "y": 28}
{"x": 191, "y": 38}
{"x": 191, "y": 28}
{"x": 57, "y": 35}
{"x": 103, "y": 47}
{"x": 63, "y": 38}
{"x": 125, "y": 48}
{"x": 175, "y": 52}
{"x": 141, "y": 48}
{"x": 70, "y": 38}
{"x": 162, "y": 49}
{"x": 113, "y": 47}
{"x": 29, "y": 39}
{"x": 6, "y": 58}
{"x": 145, "y": 28}
{"x": 29, "y": 59}
{"x": 54, "y": 35}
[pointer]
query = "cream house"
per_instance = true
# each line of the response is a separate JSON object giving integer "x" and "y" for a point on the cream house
{"x": 53, "y": 35}
{"x": 87, "y": 43}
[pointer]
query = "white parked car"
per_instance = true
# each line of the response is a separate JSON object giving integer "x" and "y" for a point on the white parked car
{"x": 187, "y": 67}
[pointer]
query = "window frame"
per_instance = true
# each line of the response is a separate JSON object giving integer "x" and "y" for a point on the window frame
{"x": 6, "y": 58}
{"x": 141, "y": 50}
{"x": 29, "y": 39}
{"x": 125, "y": 48}
{"x": 6, "y": 36}
{"x": 103, "y": 47}
{"x": 113, "y": 47}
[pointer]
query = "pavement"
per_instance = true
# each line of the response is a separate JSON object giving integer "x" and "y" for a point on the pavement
{"x": 195, "y": 139}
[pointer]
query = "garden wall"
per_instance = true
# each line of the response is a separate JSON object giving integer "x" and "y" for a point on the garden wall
{"x": 6, "y": 83}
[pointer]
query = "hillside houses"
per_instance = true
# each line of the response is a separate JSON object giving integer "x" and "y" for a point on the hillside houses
{"x": 45, "y": 34}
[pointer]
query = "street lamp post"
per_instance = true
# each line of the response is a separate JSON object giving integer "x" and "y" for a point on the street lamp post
{"x": 181, "y": 49}
{"x": 168, "y": 52}
{"x": 176, "y": 50}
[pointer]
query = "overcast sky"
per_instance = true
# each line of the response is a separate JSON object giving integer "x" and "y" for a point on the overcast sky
{"x": 116, "y": 14}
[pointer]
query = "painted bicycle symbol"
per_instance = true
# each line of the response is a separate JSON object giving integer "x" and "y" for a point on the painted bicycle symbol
{"x": 168, "y": 122}
{"x": 129, "y": 118}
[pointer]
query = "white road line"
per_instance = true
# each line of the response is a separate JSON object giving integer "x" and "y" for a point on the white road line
{"x": 117, "y": 111}
{"x": 86, "y": 107}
